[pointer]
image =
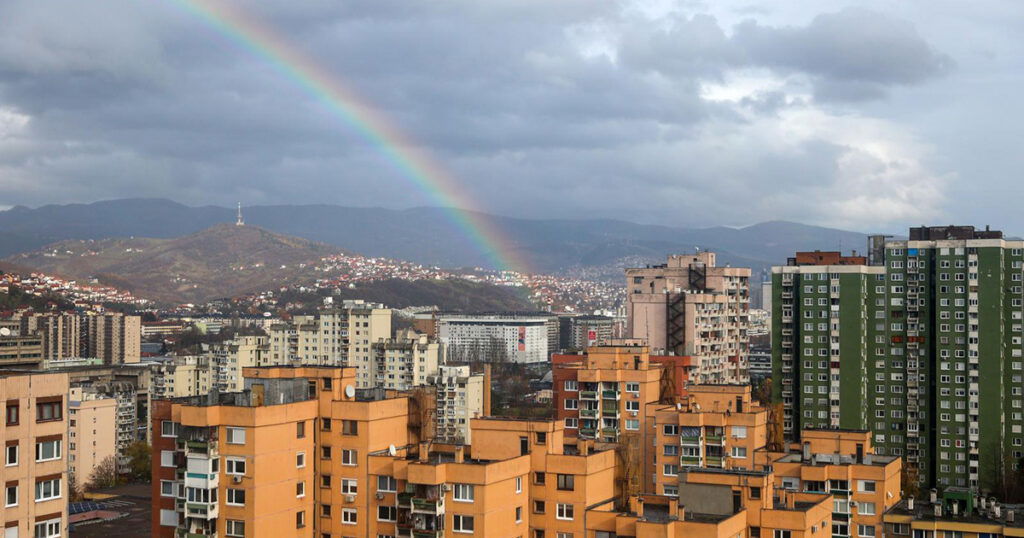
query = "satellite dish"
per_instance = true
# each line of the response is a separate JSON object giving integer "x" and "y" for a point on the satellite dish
{"x": 350, "y": 391}
{"x": 5, "y": 331}
{"x": 391, "y": 450}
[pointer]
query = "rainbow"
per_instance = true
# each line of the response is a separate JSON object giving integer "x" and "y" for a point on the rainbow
{"x": 396, "y": 147}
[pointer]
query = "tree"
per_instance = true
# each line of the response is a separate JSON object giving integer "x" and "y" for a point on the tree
{"x": 74, "y": 489}
{"x": 104, "y": 475}
{"x": 138, "y": 454}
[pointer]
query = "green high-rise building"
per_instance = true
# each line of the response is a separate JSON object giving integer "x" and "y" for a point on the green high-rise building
{"x": 920, "y": 343}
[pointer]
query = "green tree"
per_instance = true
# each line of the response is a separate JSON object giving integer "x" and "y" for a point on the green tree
{"x": 138, "y": 454}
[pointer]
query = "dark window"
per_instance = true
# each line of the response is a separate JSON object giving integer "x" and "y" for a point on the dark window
{"x": 48, "y": 411}
{"x": 328, "y": 385}
{"x": 325, "y": 452}
{"x": 300, "y": 429}
{"x": 566, "y": 482}
{"x": 325, "y": 480}
{"x": 349, "y": 427}
{"x": 325, "y": 424}
{"x": 538, "y": 478}
{"x": 12, "y": 413}
{"x": 542, "y": 438}
{"x": 300, "y": 519}
{"x": 538, "y": 507}
{"x": 755, "y": 493}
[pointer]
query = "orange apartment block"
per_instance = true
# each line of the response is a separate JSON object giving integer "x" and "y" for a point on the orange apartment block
{"x": 718, "y": 426}
{"x": 841, "y": 463}
{"x": 35, "y": 462}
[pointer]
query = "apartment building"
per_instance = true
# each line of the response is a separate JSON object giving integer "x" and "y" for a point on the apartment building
{"x": 34, "y": 473}
{"x": 525, "y": 337}
{"x": 336, "y": 336}
{"x": 112, "y": 336}
{"x": 61, "y": 333}
{"x": 956, "y": 512}
{"x": 689, "y": 306}
{"x": 20, "y": 351}
{"x": 93, "y": 431}
{"x": 188, "y": 375}
{"x": 863, "y": 486}
{"x": 577, "y": 332}
{"x": 230, "y": 357}
{"x": 721, "y": 503}
{"x": 717, "y": 426}
{"x": 937, "y": 312}
{"x": 402, "y": 362}
{"x": 461, "y": 396}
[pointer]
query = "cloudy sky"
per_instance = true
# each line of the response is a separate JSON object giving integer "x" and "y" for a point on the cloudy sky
{"x": 868, "y": 115}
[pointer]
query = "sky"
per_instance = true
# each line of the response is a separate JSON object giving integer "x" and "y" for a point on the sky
{"x": 870, "y": 115}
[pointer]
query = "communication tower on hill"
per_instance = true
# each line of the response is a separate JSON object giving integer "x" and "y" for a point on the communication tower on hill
{"x": 239, "y": 222}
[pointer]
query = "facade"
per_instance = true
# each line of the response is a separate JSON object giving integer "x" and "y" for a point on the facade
{"x": 21, "y": 351}
{"x": 34, "y": 473}
{"x": 113, "y": 337}
{"x": 92, "y": 419}
{"x": 129, "y": 386}
{"x": 402, "y": 362}
{"x": 691, "y": 307}
{"x": 580, "y": 332}
{"x": 939, "y": 312}
{"x": 230, "y": 357}
{"x": 336, "y": 336}
{"x": 176, "y": 377}
{"x": 954, "y": 513}
{"x": 461, "y": 396}
{"x": 512, "y": 337}
{"x": 61, "y": 334}
{"x": 760, "y": 361}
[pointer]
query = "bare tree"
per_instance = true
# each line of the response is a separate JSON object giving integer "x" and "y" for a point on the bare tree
{"x": 104, "y": 475}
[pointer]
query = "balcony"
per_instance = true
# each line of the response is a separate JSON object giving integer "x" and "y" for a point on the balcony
{"x": 427, "y": 534}
{"x": 201, "y": 510}
{"x": 690, "y": 461}
{"x": 714, "y": 439}
{"x": 427, "y": 506}
{"x": 610, "y": 394}
{"x": 588, "y": 413}
{"x": 714, "y": 461}
{"x": 588, "y": 395}
{"x": 588, "y": 432}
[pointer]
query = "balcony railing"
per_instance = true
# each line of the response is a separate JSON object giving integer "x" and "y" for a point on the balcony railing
{"x": 588, "y": 395}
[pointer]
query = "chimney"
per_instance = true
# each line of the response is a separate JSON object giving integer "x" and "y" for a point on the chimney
{"x": 807, "y": 453}
{"x": 424, "y": 451}
{"x": 460, "y": 454}
{"x": 938, "y": 510}
{"x": 956, "y": 508}
{"x": 933, "y": 496}
{"x": 680, "y": 511}
{"x": 860, "y": 453}
{"x": 996, "y": 509}
{"x": 910, "y": 504}
{"x": 1009, "y": 516}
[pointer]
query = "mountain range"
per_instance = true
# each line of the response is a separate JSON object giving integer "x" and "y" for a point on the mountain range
{"x": 424, "y": 235}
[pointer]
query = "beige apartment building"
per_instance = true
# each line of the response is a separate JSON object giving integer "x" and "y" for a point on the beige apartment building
{"x": 183, "y": 376}
{"x": 461, "y": 397}
{"x": 61, "y": 334}
{"x": 230, "y": 357}
{"x": 403, "y": 362}
{"x": 92, "y": 418}
{"x": 113, "y": 337}
{"x": 20, "y": 351}
{"x": 689, "y": 306}
{"x": 34, "y": 464}
{"x": 336, "y": 336}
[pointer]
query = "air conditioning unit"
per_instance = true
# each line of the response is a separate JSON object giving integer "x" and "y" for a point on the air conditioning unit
{"x": 446, "y": 487}
{"x": 350, "y": 498}
{"x": 236, "y": 479}
{"x": 380, "y": 496}
{"x": 632, "y": 413}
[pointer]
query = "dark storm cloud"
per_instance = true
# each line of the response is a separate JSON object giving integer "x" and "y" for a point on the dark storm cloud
{"x": 539, "y": 107}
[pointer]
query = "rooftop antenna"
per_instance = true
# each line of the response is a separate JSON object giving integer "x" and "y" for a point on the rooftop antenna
{"x": 239, "y": 222}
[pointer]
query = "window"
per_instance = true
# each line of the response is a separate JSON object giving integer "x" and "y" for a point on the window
{"x": 236, "y": 497}
{"x": 572, "y": 423}
{"x": 633, "y": 387}
{"x": 349, "y": 427}
{"x": 632, "y": 424}
{"x": 755, "y": 493}
{"x": 168, "y": 428}
{"x": 48, "y": 450}
{"x": 571, "y": 385}
{"x": 670, "y": 429}
{"x": 866, "y": 486}
{"x": 462, "y": 523}
{"x": 671, "y": 469}
{"x": 12, "y": 412}
{"x": 300, "y": 429}
{"x": 11, "y": 455}
{"x": 349, "y": 486}
{"x": 167, "y": 458}
{"x": 168, "y": 518}
{"x": 387, "y": 513}
{"x": 387, "y": 484}
{"x": 49, "y": 409}
{"x": 572, "y": 404}
{"x": 542, "y": 438}
{"x": 300, "y": 519}
{"x": 167, "y": 488}
{"x": 538, "y": 478}
{"x": 519, "y": 484}
{"x": 235, "y": 527}
{"x": 236, "y": 436}
{"x": 11, "y": 496}
{"x": 348, "y": 457}
{"x": 48, "y": 529}
{"x": 739, "y": 452}
{"x": 866, "y": 509}
{"x": 47, "y": 489}
{"x": 463, "y": 492}
{"x": 234, "y": 466}
{"x": 739, "y": 432}
{"x": 779, "y": 533}
{"x": 300, "y": 459}
{"x": 565, "y": 511}
{"x": 519, "y": 514}
{"x": 566, "y": 482}
{"x": 300, "y": 489}
{"x": 538, "y": 507}
{"x": 325, "y": 452}
{"x": 866, "y": 530}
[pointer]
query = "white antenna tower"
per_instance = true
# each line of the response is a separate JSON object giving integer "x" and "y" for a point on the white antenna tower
{"x": 239, "y": 222}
